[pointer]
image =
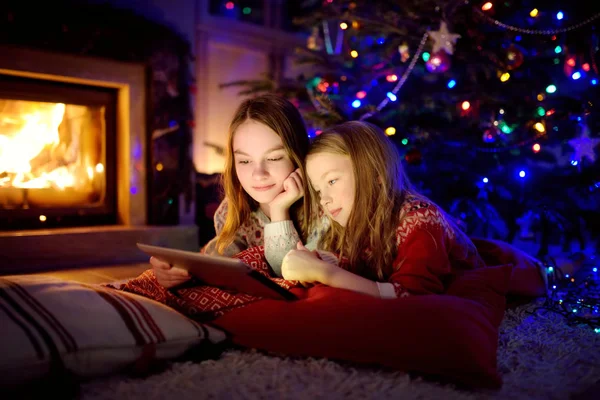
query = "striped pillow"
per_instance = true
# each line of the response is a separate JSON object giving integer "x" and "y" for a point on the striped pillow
{"x": 49, "y": 324}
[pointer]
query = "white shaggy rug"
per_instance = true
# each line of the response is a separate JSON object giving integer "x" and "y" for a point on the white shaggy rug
{"x": 539, "y": 356}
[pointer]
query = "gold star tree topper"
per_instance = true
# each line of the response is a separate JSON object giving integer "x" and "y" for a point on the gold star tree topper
{"x": 443, "y": 39}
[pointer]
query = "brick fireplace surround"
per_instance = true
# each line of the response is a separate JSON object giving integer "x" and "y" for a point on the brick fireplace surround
{"x": 51, "y": 249}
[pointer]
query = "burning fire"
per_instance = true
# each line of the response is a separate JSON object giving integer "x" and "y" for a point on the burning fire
{"x": 32, "y": 154}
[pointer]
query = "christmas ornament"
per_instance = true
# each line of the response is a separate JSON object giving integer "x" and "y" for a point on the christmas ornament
{"x": 413, "y": 157}
{"x": 526, "y": 223}
{"x": 584, "y": 145}
{"x": 514, "y": 57}
{"x": 314, "y": 41}
{"x": 572, "y": 61}
{"x": 403, "y": 50}
{"x": 443, "y": 39}
{"x": 438, "y": 62}
{"x": 490, "y": 134}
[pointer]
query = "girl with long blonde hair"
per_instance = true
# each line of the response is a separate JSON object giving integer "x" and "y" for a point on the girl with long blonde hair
{"x": 391, "y": 241}
{"x": 264, "y": 185}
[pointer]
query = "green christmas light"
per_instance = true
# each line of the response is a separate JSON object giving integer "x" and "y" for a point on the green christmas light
{"x": 503, "y": 126}
{"x": 540, "y": 111}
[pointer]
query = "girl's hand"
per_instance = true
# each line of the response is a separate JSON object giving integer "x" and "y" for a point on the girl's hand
{"x": 293, "y": 190}
{"x": 167, "y": 275}
{"x": 305, "y": 266}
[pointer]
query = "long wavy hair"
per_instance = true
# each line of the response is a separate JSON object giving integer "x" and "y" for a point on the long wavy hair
{"x": 382, "y": 187}
{"x": 283, "y": 117}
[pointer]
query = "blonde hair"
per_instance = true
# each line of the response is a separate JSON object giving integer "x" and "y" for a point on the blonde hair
{"x": 382, "y": 187}
{"x": 284, "y": 118}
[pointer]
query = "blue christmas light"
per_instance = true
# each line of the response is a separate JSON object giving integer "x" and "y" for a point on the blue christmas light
{"x": 485, "y": 180}
{"x": 594, "y": 81}
{"x": 595, "y": 269}
{"x": 557, "y": 49}
{"x": 356, "y": 103}
{"x": 574, "y": 163}
{"x": 391, "y": 96}
{"x": 451, "y": 83}
{"x": 522, "y": 174}
{"x": 576, "y": 75}
{"x": 560, "y": 15}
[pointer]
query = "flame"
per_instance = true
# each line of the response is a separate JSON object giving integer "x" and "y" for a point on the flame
{"x": 24, "y": 135}
{"x": 40, "y": 128}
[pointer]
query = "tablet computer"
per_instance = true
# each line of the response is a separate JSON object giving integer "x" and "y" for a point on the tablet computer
{"x": 224, "y": 272}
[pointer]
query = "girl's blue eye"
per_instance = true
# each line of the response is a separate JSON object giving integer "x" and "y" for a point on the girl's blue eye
{"x": 331, "y": 182}
{"x": 275, "y": 159}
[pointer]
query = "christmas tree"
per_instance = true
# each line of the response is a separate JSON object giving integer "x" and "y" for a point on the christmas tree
{"x": 494, "y": 105}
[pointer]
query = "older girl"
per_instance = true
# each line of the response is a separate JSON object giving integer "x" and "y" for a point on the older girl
{"x": 263, "y": 184}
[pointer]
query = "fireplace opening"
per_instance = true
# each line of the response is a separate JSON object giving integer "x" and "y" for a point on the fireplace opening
{"x": 57, "y": 154}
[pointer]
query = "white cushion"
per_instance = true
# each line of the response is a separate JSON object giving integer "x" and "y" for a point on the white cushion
{"x": 90, "y": 330}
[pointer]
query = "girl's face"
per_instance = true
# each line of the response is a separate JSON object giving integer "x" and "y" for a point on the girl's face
{"x": 261, "y": 162}
{"x": 332, "y": 176}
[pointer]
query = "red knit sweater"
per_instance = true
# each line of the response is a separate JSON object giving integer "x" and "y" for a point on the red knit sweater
{"x": 428, "y": 250}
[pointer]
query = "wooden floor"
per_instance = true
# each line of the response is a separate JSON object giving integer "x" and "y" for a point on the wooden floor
{"x": 95, "y": 275}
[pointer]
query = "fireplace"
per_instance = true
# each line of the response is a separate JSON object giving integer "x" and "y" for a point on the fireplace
{"x": 57, "y": 154}
{"x": 73, "y": 163}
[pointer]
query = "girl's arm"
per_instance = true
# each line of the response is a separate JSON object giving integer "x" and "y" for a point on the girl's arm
{"x": 340, "y": 278}
{"x": 305, "y": 266}
{"x": 238, "y": 244}
{"x": 282, "y": 236}
{"x": 419, "y": 268}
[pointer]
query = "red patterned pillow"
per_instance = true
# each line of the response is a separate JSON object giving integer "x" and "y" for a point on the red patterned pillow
{"x": 453, "y": 336}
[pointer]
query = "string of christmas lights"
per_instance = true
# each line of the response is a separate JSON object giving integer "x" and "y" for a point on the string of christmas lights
{"x": 392, "y": 96}
{"x": 525, "y": 31}
{"x": 576, "y": 297}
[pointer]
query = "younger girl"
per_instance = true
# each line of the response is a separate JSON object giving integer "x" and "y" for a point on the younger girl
{"x": 263, "y": 183}
{"x": 392, "y": 241}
